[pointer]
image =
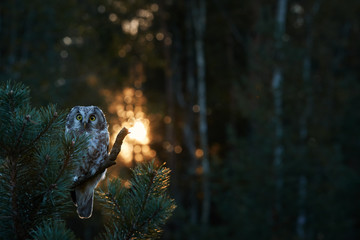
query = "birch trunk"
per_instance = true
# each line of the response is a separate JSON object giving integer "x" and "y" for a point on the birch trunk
{"x": 278, "y": 103}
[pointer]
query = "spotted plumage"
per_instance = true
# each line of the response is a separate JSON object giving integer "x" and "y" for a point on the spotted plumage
{"x": 89, "y": 121}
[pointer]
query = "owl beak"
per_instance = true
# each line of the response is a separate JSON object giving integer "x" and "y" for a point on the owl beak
{"x": 85, "y": 124}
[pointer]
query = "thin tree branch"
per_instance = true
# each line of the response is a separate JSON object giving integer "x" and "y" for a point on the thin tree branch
{"x": 108, "y": 162}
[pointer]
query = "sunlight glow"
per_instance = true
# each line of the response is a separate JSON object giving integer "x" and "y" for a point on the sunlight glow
{"x": 126, "y": 152}
{"x": 139, "y": 133}
{"x": 127, "y": 108}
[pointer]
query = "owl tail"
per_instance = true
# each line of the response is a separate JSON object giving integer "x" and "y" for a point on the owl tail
{"x": 84, "y": 201}
{"x": 83, "y": 196}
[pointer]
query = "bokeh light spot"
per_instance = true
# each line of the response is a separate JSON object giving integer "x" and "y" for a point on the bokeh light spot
{"x": 67, "y": 40}
{"x": 199, "y": 153}
{"x": 178, "y": 149}
{"x": 160, "y": 36}
{"x": 167, "y": 119}
{"x": 113, "y": 17}
{"x": 196, "y": 108}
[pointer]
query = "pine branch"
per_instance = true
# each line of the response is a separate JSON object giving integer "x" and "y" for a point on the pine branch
{"x": 14, "y": 200}
{"x": 112, "y": 198}
{"x": 10, "y": 95}
{"x": 145, "y": 206}
{"x": 3, "y": 147}
{"x": 65, "y": 164}
{"x": 109, "y": 161}
{"x": 26, "y": 121}
{"x": 136, "y": 225}
{"x": 52, "y": 229}
{"x": 148, "y": 191}
{"x": 40, "y": 198}
{"x": 151, "y": 218}
{"x": 12, "y": 105}
{"x": 25, "y": 199}
{"x": 52, "y": 120}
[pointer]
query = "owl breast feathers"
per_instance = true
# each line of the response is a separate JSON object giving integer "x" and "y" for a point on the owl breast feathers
{"x": 89, "y": 121}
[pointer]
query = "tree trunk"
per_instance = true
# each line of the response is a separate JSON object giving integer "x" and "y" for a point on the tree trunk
{"x": 278, "y": 103}
{"x": 188, "y": 129}
{"x": 301, "y": 218}
{"x": 303, "y": 132}
{"x": 199, "y": 21}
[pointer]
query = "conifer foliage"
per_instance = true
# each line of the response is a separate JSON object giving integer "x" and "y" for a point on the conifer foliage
{"x": 138, "y": 208}
{"x": 37, "y": 164}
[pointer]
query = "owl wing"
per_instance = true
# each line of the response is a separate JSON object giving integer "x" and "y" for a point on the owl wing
{"x": 83, "y": 195}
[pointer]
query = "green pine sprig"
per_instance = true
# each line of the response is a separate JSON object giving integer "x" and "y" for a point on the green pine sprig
{"x": 141, "y": 210}
{"x": 52, "y": 229}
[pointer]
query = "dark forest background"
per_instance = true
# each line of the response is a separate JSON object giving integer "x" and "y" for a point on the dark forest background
{"x": 254, "y": 105}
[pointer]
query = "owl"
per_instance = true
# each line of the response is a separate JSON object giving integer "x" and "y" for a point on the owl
{"x": 89, "y": 121}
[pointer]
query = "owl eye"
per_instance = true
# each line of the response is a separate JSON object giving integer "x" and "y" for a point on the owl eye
{"x": 92, "y": 118}
{"x": 78, "y": 117}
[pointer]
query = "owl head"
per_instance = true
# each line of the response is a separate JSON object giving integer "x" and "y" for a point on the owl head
{"x": 85, "y": 119}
